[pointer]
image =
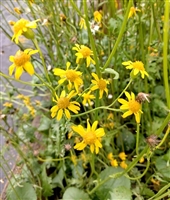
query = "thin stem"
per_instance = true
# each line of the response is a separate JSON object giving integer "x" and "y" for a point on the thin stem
{"x": 98, "y": 108}
{"x": 119, "y": 36}
{"x": 139, "y": 177}
{"x": 160, "y": 192}
{"x": 20, "y": 81}
{"x": 91, "y": 39}
{"x": 165, "y": 51}
{"x": 164, "y": 138}
{"x": 42, "y": 59}
{"x": 137, "y": 139}
{"x": 121, "y": 93}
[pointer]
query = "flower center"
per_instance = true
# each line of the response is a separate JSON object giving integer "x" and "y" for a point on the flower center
{"x": 90, "y": 137}
{"x": 85, "y": 51}
{"x": 63, "y": 103}
{"x": 21, "y": 58}
{"x": 101, "y": 84}
{"x": 134, "y": 106}
{"x": 71, "y": 75}
{"x": 20, "y": 25}
{"x": 138, "y": 65}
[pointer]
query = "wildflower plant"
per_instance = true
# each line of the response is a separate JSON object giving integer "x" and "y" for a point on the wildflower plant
{"x": 93, "y": 115}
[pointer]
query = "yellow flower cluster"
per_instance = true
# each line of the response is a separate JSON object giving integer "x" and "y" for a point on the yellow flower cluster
{"x": 27, "y": 102}
{"x": 114, "y": 162}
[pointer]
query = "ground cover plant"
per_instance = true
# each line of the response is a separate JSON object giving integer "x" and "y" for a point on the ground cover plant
{"x": 95, "y": 122}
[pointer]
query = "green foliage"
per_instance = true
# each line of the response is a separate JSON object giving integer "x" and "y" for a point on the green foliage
{"x": 46, "y": 183}
{"x": 63, "y": 115}
{"x": 114, "y": 185}
{"x": 73, "y": 193}
{"x": 24, "y": 191}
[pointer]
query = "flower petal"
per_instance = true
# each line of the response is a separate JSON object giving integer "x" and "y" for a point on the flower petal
{"x": 67, "y": 113}
{"x": 92, "y": 148}
{"x": 79, "y": 129}
{"x": 95, "y": 76}
{"x": 59, "y": 115}
{"x": 122, "y": 101}
{"x": 94, "y": 125}
{"x": 18, "y": 72}
{"x": 80, "y": 146}
{"x": 29, "y": 68}
{"x": 11, "y": 69}
{"x": 126, "y": 114}
{"x": 59, "y": 72}
{"x": 100, "y": 132}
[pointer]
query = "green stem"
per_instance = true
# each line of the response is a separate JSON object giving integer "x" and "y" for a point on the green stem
{"x": 139, "y": 177}
{"x": 76, "y": 8}
{"x": 20, "y": 81}
{"x": 164, "y": 138}
{"x": 10, "y": 182}
{"x": 119, "y": 36}
{"x": 98, "y": 108}
{"x": 46, "y": 84}
{"x": 137, "y": 139}
{"x": 117, "y": 175}
{"x": 121, "y": 93}
{"x": 165, "y": 51}
{"x": 42, "y": 59}
{"x": 166, "y": 121}
{"x": 160, "y": 192}
{"x": 91, "y": 39}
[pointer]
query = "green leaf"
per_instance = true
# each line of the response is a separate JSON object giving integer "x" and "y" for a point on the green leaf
{"x": 167, "y": 156}
{"x": 46, "y": 183}
{"x": 103, "y": 190}
{"x": 127, "y": 138}
{"x": 163, "y": 166}
{"x": 147, "y": 192}
{"x": 121, "y": 193}
{"x": 45, "y": 123}
{"x": 58, "y": 179}
{"x": 25, "y": 191}
{"x": 73, "y": 193}
{"x": 111, "y": 71}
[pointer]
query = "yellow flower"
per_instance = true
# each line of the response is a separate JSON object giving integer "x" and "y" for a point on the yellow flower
{"x": 72, "y": 76}
{"x": 8, "y": 104}
{"x": 155, "y": 182}
{"x": 123, "y": 165}
{"x": 137, "y": 67}
{"x": 83, "y": 52}
{"x": 18, "y": 11}
{"x": 21, "y": 62}
{"x": 142, "y": 160}
{"x": 132, "y": 106}
{"x": 100, "y": 84}
{"x": 74, "y": 159}
{"x": 110, "y": 116}
{"x": 91, "y": 136}
{"x": 64, "y": 105}
{"x": 114, "y": 163}
{"x": 122, "y": 156}
{"x": 82, "y": 24}
{"x": 133, "y": 12}
{"x": 62, "y": 17}
{"x": 97, "y": 16}
{"x": 87, "y": 98}
{"x": 23, "y": 27}
{"x": 110, "y": 156}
